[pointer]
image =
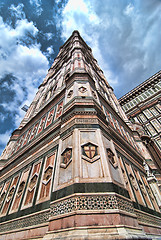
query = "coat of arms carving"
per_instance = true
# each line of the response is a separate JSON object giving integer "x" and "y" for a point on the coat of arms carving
{"x": 70, "y": 93}
{"x": 82, "y": 89}
{"x": 112, "y": 158}
{"x": 66, "y": 157}
{"x": 90, "y": 152}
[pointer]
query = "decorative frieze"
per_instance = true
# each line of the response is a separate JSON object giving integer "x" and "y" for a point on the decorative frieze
{"x": 90, "y": 202}
{"x": 147, "y": 218}
{"x": 30, "y": 134}
{"x": 33, "y": 220}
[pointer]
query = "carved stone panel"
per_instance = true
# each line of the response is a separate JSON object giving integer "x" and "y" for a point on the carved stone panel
{"x": 59, "y": 110}
{"x": 47, "y": 176}
{"x": 33, "y": 182}
{"x": 133, "y": 182}
{"x": 32, "y": 185}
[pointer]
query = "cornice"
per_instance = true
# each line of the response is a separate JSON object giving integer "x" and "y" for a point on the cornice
{"x": 140, "y": 88}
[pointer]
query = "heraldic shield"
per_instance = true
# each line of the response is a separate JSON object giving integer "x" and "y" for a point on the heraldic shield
{"x": 66, "y": 157}
{"x": 89, "y": 152}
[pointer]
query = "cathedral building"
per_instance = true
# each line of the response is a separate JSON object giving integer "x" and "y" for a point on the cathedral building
{"x": 142, "y": 105}
{"x": 77, "y": 168}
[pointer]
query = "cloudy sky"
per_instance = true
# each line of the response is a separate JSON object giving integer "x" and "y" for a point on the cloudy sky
{"x": 125, "y": 37}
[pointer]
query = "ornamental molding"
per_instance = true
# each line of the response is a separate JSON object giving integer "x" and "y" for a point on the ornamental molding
{"x": 25, "y": 222}
{"x": 147, "y": 218}
{"x": 90, "y": 203}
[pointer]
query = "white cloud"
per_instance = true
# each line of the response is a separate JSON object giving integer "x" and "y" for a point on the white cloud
{"x": 37, "y": 5}
{"x": 26, "y": 63}
{"x": 129, "y": 9}
{"x": 123, "y": 35}
{"x": 4, "y": 137}
{"x": 50, "y": 50}
{"x": 2, "y": 117}
{"x": 17, "y": 11}
{"x": 80, "y": 15}
{"x": 48, "y": 35}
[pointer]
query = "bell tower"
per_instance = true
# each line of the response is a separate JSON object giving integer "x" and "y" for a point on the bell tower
{"x": 74, "y": 167}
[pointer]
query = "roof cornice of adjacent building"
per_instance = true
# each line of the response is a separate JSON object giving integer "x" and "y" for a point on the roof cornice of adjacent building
{"x": 141, "y": 87}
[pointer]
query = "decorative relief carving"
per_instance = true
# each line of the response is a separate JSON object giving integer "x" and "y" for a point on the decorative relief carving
{"x": 90, "y": 152}
{"x": 47, "y": 174}
{"x": 82, "y": 89}
{"x": 124, "y": 176}
{"x": 70, "y": 93}
{"x": 34, "y": 131}
{"x": 25, "y": 222}
{"x": 66, "y": 157}
{"x": 50, "y": 117}
{"x": 112, "y": 158}
{"x": 41, "y": 124}
{"x": 96, "y": 202}
{"x": 94, "y": 94}
{"x": 142, "y": 188}
{"x": 10, "y": 194}
{"x": 150, "y": 192}
{"x": 133, "y": 182}
{"x": 45, "y": 185}
{"x": 146, "y": 218}
{"x": 33, "y": 182}
{"x": 59, "y": 110}
{"x": 2, "y": 198}
{"x": 20, "y": 189}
